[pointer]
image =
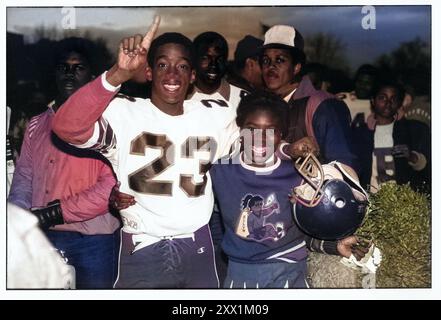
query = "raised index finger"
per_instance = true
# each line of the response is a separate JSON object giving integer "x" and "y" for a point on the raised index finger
{"x": 148, "y": 37}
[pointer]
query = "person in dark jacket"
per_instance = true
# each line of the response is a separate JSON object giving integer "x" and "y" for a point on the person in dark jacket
{"x": 313, "y": 114}
{"x": 391, "y": 149}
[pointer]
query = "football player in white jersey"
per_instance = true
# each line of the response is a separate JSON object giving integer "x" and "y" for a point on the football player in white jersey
{"x": 161, "y": 149}
{"x": 210, "y": 86}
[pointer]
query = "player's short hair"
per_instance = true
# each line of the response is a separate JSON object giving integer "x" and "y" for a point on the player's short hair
{"x": 367, "y": 69}
{"x": 385, "y": 82}
{"x": 86, "y": 48}
{"x": 208, "y": 39}
{"x": 171, "y": 37}
{"x": 264, "y": 101}
{"x": 248, "y": 47}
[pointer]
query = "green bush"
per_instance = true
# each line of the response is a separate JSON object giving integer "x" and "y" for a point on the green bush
{"x": 399, "y": 221}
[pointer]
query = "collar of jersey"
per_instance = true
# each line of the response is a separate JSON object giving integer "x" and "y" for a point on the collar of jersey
{"x": 224, "y": 90}
{"x": 189, "y": 105}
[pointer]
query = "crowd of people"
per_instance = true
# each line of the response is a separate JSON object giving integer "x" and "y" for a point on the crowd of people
{"x": 189, "y": 187}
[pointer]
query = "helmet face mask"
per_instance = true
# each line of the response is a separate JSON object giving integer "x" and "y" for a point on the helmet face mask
{"x": 329, "y": 204}
{"x": 310, "y": 169}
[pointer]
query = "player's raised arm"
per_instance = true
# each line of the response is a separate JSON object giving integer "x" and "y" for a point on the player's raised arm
{"x": 74, "y": 121}
{"x": 132, "y": 55}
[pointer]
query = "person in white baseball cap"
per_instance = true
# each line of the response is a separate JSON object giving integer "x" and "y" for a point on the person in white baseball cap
{"x": 314, "y": 114}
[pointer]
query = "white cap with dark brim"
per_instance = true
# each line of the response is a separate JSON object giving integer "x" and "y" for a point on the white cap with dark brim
{"x": 284, "y": 37}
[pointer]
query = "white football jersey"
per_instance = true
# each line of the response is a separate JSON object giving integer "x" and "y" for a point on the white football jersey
{"x": 231, "y": 96}
{"x": 162, "y": 161}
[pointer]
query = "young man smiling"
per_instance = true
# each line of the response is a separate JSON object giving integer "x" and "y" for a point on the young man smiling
{"x": 161, "y": 150}
{"x": 210, "y": 87}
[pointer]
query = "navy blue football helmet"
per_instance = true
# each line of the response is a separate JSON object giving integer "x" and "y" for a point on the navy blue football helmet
{"x": 329, "y": 204}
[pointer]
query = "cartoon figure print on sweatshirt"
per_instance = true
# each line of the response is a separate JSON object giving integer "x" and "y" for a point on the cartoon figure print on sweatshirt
{"x": 255, "y": 211}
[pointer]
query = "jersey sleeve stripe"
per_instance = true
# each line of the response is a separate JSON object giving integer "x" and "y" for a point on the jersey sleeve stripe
{"x": 103, "y": 138}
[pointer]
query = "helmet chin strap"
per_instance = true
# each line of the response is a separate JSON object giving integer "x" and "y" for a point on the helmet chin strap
{"x": 350, "y": 176}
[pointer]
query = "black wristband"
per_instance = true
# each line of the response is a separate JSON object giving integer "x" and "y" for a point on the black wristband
{"x": 330, "y": 247}
{"x": 322, "y": 246}
{"x": 49, "y": 216}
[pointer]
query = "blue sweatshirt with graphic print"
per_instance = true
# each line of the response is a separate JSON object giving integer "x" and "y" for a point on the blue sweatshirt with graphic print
{"x": 257, "y": 213}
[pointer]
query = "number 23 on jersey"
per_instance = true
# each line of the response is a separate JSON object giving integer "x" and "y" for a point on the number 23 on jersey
{"x": 142, "y": 181}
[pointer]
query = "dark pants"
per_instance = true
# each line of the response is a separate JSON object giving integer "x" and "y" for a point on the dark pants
{"x": 94, "y": 257}
{"x": 176, "y": 263}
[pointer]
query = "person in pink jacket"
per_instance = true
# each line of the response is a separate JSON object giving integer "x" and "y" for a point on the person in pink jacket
{"x": 67, "y": 188}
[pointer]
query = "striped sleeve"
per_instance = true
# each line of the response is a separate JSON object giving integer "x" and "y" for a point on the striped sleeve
{"x": 103, "y": 138}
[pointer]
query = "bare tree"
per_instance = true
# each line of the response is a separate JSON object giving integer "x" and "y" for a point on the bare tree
{"x": 327, "y": 50}
{"x": 411, "y": 64}
{"x": 44, "y": 32}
